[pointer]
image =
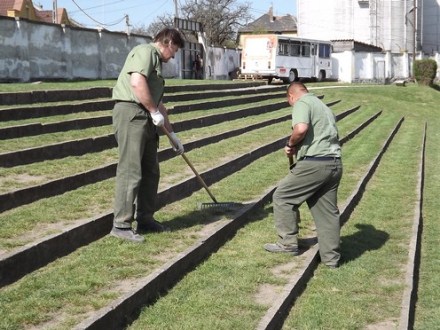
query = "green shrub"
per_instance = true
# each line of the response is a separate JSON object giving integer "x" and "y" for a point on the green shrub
{"x": 425, "y": 71}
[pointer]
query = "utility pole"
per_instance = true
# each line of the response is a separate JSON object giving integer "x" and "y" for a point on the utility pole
{"x": 415, "y": 31}
{"x": 414, "y": 37}
{"x": 55, "y": 12}
{"x": 127, "y": 22}
{"x": 176, "y": 9}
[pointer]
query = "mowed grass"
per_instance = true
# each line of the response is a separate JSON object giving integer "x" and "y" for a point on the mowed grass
{"x": 232, "y": 289}
{"x": 16, "y": 222}
{"x": 62, "y": 85}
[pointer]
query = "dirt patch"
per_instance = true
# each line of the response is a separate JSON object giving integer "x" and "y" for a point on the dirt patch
{"x": 267, "y": 294}
{"x": 285, "y": 270}
{"x": 37, "y": 233}
{"x": 17, "y": 181}
{"x": 384, "y": 325}
{"x": 55, "y": 319}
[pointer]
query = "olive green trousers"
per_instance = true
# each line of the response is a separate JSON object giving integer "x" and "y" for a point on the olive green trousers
{"x": 315, "y": 182}
{"x": 137, "y": 175}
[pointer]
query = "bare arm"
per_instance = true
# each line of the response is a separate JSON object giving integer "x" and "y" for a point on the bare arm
{"x": 298, "y": 134}
{"x": 140, "y": 88}
{"x": 142, "y": 92}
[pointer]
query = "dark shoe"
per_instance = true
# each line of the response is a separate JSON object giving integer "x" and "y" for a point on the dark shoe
{"x": 127, "y": 234}
{"x": 332, "y": 266}
{"x": 151, "y": 226}
{"x": 278, "y": 247}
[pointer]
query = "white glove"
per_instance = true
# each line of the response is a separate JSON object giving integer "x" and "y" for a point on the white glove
{"x": 176, "y": 144}
{"x": 157, "y": 118}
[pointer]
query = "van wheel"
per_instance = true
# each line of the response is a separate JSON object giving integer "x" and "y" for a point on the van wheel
{"x": 321, "y": 75}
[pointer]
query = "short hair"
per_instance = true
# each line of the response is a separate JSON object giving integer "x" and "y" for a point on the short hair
{"x": 167, "y": 35}
{"x": 297, "y": 86}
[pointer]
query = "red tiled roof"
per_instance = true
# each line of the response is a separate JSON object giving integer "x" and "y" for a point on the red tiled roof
{"x": 6, "y": 5}
{"x": 44, "y": 15}
{"x": 40, "y": 14}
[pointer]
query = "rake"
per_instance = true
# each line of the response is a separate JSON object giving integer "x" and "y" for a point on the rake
{"x": 204, "y": 206}
{"x": 292, "y": 161}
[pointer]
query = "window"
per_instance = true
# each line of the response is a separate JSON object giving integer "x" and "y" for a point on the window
{"x": 283, "y": 47}
{"x": 324, "y": 50}
{"x": 295, "y": 48}
{"x": 305, "y": 49}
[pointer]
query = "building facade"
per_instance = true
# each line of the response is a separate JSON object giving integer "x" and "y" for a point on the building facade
{"x": 26, "y": 9}
{"x": 398, "y": 26}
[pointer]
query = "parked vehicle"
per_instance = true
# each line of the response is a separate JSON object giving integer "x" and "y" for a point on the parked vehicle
{"x": 270, "y": 56}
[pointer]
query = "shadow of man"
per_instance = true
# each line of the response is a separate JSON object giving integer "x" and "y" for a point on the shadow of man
{"x": 207, "y": 216}
{"x": 366, "y": 239}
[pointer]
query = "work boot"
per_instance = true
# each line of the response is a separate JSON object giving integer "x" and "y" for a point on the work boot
{"x": 151, "y": 226}
{"x": 127, "y": 234}
{"x": 332, "y": 266}
{"x": 278, "y": 247}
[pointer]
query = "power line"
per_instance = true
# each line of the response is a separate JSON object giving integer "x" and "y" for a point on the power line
{"x": 94, "y": 20}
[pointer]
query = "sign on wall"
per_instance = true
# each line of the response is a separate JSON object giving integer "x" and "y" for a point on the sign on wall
{"x": 184, "y": 24}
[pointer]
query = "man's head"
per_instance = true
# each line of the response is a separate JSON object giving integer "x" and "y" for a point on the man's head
{"x": 168, "y": 41}
{"x": 295, "y": 91}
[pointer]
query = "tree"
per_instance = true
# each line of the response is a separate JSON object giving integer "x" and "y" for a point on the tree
{"x": 221, "y": 19}
{"x": 155, "y": 26}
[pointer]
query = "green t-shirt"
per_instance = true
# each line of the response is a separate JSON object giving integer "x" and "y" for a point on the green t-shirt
{"x": 144, "y": 59}
{"x": 322, "y": 138}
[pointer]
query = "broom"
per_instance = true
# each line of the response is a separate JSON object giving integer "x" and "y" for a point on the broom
{"x": 202, "y": 206}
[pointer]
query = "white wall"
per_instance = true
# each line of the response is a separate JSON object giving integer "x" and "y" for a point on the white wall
{"x": 333, "y": 19}
{"x": 351, "y": 67}
{"x": 220, "y": 62}
{"x": 385, "y": 23}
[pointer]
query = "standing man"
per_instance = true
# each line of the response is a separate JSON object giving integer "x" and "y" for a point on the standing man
{"x": 137, "y": 114}
{"x": 198, "y": 67}
{"x": 314, "y": 179}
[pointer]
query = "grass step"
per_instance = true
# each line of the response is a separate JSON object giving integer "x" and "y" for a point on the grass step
{"x": 168, "y": 196}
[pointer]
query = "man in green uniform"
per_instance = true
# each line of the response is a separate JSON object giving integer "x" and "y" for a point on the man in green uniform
{"x": 136, "y": 115}
{"x": 314, "y": 179}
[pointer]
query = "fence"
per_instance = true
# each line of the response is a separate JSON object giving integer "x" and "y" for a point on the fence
{"x": 31, "y": 51}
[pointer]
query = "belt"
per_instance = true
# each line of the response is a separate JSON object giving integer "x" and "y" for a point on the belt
{"x": 320, "y": 158}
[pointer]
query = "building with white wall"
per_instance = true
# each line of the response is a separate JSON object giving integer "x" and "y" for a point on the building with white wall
{"x": 389, "y": 24}
{"x": 430, "y": 33}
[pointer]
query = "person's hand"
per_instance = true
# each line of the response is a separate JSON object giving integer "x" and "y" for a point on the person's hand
{"x": 290, "y": 151}
{"x": 176, "y": 144}
{"x": 157, "y": 118}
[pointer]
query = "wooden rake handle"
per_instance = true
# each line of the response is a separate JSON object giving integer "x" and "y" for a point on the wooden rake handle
{"x": 202, "y": 182}
{"x": 292, "y": 161}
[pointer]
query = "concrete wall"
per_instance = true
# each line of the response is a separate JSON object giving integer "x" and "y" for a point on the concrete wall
{"x": 32, "y": 51}
{"x": 350, "y": 67}
{"x": 221, "y": 62}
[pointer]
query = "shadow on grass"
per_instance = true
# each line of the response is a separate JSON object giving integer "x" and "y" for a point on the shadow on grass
{"x": 210, "y": 215}
{"x": 366, "y": 239}
{"x": 436, "y": 87}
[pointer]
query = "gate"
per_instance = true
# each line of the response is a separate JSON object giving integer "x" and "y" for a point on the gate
{"x": 188, "y": 56}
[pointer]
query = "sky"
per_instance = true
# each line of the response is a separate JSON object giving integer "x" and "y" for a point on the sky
{"x": 110, "y": 14}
